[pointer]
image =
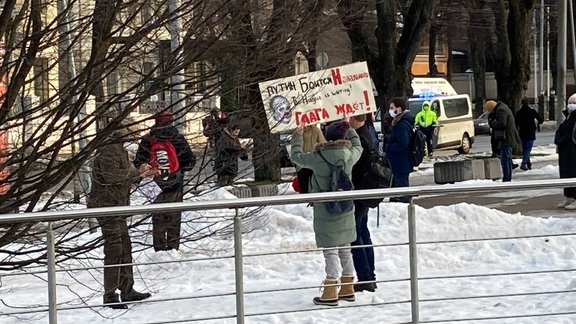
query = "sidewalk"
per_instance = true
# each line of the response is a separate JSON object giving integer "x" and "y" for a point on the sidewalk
{"x": 539, "y": 203}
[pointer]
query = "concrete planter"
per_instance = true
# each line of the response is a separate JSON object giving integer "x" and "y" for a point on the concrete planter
{"x": 241, "y": 192}
{"x": 264, "y": 190}
{"x": 492, "y": 168}
{"x": 456, "y": 171}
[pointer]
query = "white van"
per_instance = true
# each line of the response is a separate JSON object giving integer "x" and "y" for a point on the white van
{"x": 455, "y": 122}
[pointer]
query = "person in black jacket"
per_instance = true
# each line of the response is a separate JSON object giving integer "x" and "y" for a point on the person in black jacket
{"x": 363, "y": 257}
{"x": 166, "y": 226}
{"x": 229, "y": 149}
{"x": 501, "y": 120}
{"x": 565, "y": 139}
{"x": 526, "y": 119}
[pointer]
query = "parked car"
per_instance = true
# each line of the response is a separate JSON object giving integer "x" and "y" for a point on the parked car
{"x": 481, "y": 124}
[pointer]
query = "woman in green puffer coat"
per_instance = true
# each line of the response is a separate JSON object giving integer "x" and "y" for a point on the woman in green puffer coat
{"x": 343, "y": 148}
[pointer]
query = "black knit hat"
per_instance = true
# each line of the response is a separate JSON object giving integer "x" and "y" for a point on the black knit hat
{"x": 337, "y": 131}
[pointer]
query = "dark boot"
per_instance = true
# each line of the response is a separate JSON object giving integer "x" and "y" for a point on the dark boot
{"x": 524, "y": 167}
{"x": 112, "y": 302}
{"x": 135, "y": 296}
{"x": 370, "y": 286}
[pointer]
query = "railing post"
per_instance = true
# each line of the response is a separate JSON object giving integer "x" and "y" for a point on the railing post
{"x": 51, "y": 261}
{"x": 239, "y": 268}
{"x": 413, "y": 248}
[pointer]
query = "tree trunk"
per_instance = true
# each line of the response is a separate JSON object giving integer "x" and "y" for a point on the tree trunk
{"x": 513, "y": 67}
{"x": 433, "y": 37}
{"x": 478, "y": 54}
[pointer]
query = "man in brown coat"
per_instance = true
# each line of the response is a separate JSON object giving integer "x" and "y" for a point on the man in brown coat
{"x": 112, "y": 178}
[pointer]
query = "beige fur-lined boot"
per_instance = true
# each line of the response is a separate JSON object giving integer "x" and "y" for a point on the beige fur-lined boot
{"x": 347, "y": 289}
{"x": 329, "y": 294}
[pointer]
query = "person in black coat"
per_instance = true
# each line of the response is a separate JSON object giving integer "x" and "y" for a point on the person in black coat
{"x": 166, "y": 226}
{"x": 229, "y": 149}
{"x": 565, "y": 139}
{"x": 501, "y": 120}
{"x": 363, "y": 257}
{"x": 398, "y": 146}
{"x": 526, "y": 119}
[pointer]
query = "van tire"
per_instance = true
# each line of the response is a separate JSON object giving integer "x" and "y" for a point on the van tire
{"x": 466, "y": 145}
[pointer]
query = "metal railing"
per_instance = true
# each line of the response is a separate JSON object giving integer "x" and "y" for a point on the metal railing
{"x": 238, "y": 256}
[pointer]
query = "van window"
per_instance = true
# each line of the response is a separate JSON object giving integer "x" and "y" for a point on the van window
{"x": 415, "y": 106}
{"x": 455, "y": 107}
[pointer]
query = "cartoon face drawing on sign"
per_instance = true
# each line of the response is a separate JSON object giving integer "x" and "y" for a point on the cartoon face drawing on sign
{"x": 280, "y": 109}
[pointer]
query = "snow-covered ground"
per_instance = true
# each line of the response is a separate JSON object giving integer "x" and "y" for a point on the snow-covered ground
{"x": 289, "y": 228}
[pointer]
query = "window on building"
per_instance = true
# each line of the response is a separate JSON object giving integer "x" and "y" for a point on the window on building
{"x": 41, "y": 81}
{"x": 113, "y": 84}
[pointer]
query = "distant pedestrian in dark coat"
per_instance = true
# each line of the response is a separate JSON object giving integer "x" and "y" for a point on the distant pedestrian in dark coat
{"x": 166, "y": 226}
{"x": 565, "y": 139}
{"x": 504, "y": 130}
{"x": 398, "y": 147}
{"x": 112, "y": 178}
{"x": 229, "y": 150}
{"x": 526, "y": 119}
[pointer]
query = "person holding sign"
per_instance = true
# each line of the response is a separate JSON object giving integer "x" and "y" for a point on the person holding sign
{"x": 311, "y": 136}
{"x": 342, "y": 148}
{"x": 363, "y": 257}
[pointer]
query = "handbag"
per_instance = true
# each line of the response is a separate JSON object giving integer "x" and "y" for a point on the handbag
{"x": 379, "y": 175}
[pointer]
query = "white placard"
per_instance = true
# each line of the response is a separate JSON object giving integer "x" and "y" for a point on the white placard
{"x": 318, "y": 97}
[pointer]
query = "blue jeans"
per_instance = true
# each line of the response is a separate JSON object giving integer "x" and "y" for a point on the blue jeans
{"x": 400, "y": 180}
{"x": 363, "y": 257}
{"x": 506, "y": 160}
{"x": 526, "y": 150}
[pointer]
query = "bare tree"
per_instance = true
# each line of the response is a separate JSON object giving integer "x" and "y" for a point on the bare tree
{"x": 121, "y": 61}
{"x": 398, "y": 35}
{"x": 511, "y": 49}
{"x": 481, "y": 23}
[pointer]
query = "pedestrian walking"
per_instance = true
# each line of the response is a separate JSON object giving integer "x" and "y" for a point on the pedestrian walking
{"x": 165, "y": 149}
{"x": 112, "y": 178}
{"x": 501, "y": 120}
{"x": 342, "y": 148}
{"x": 527, "y": 120}
{"x": 565, "y": 140}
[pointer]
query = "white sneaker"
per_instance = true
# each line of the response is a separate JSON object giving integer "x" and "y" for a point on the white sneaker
{"x": 572, "y": 206}
{"x": 566, "y": 202}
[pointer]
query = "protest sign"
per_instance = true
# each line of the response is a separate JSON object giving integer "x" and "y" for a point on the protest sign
{"x": 318, "y": 97}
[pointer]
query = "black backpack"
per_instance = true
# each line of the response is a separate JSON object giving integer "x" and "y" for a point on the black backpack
{"x": 417, "y": 148}
{"x": 379, "y": 175}
{"x": 339, "y": 181}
